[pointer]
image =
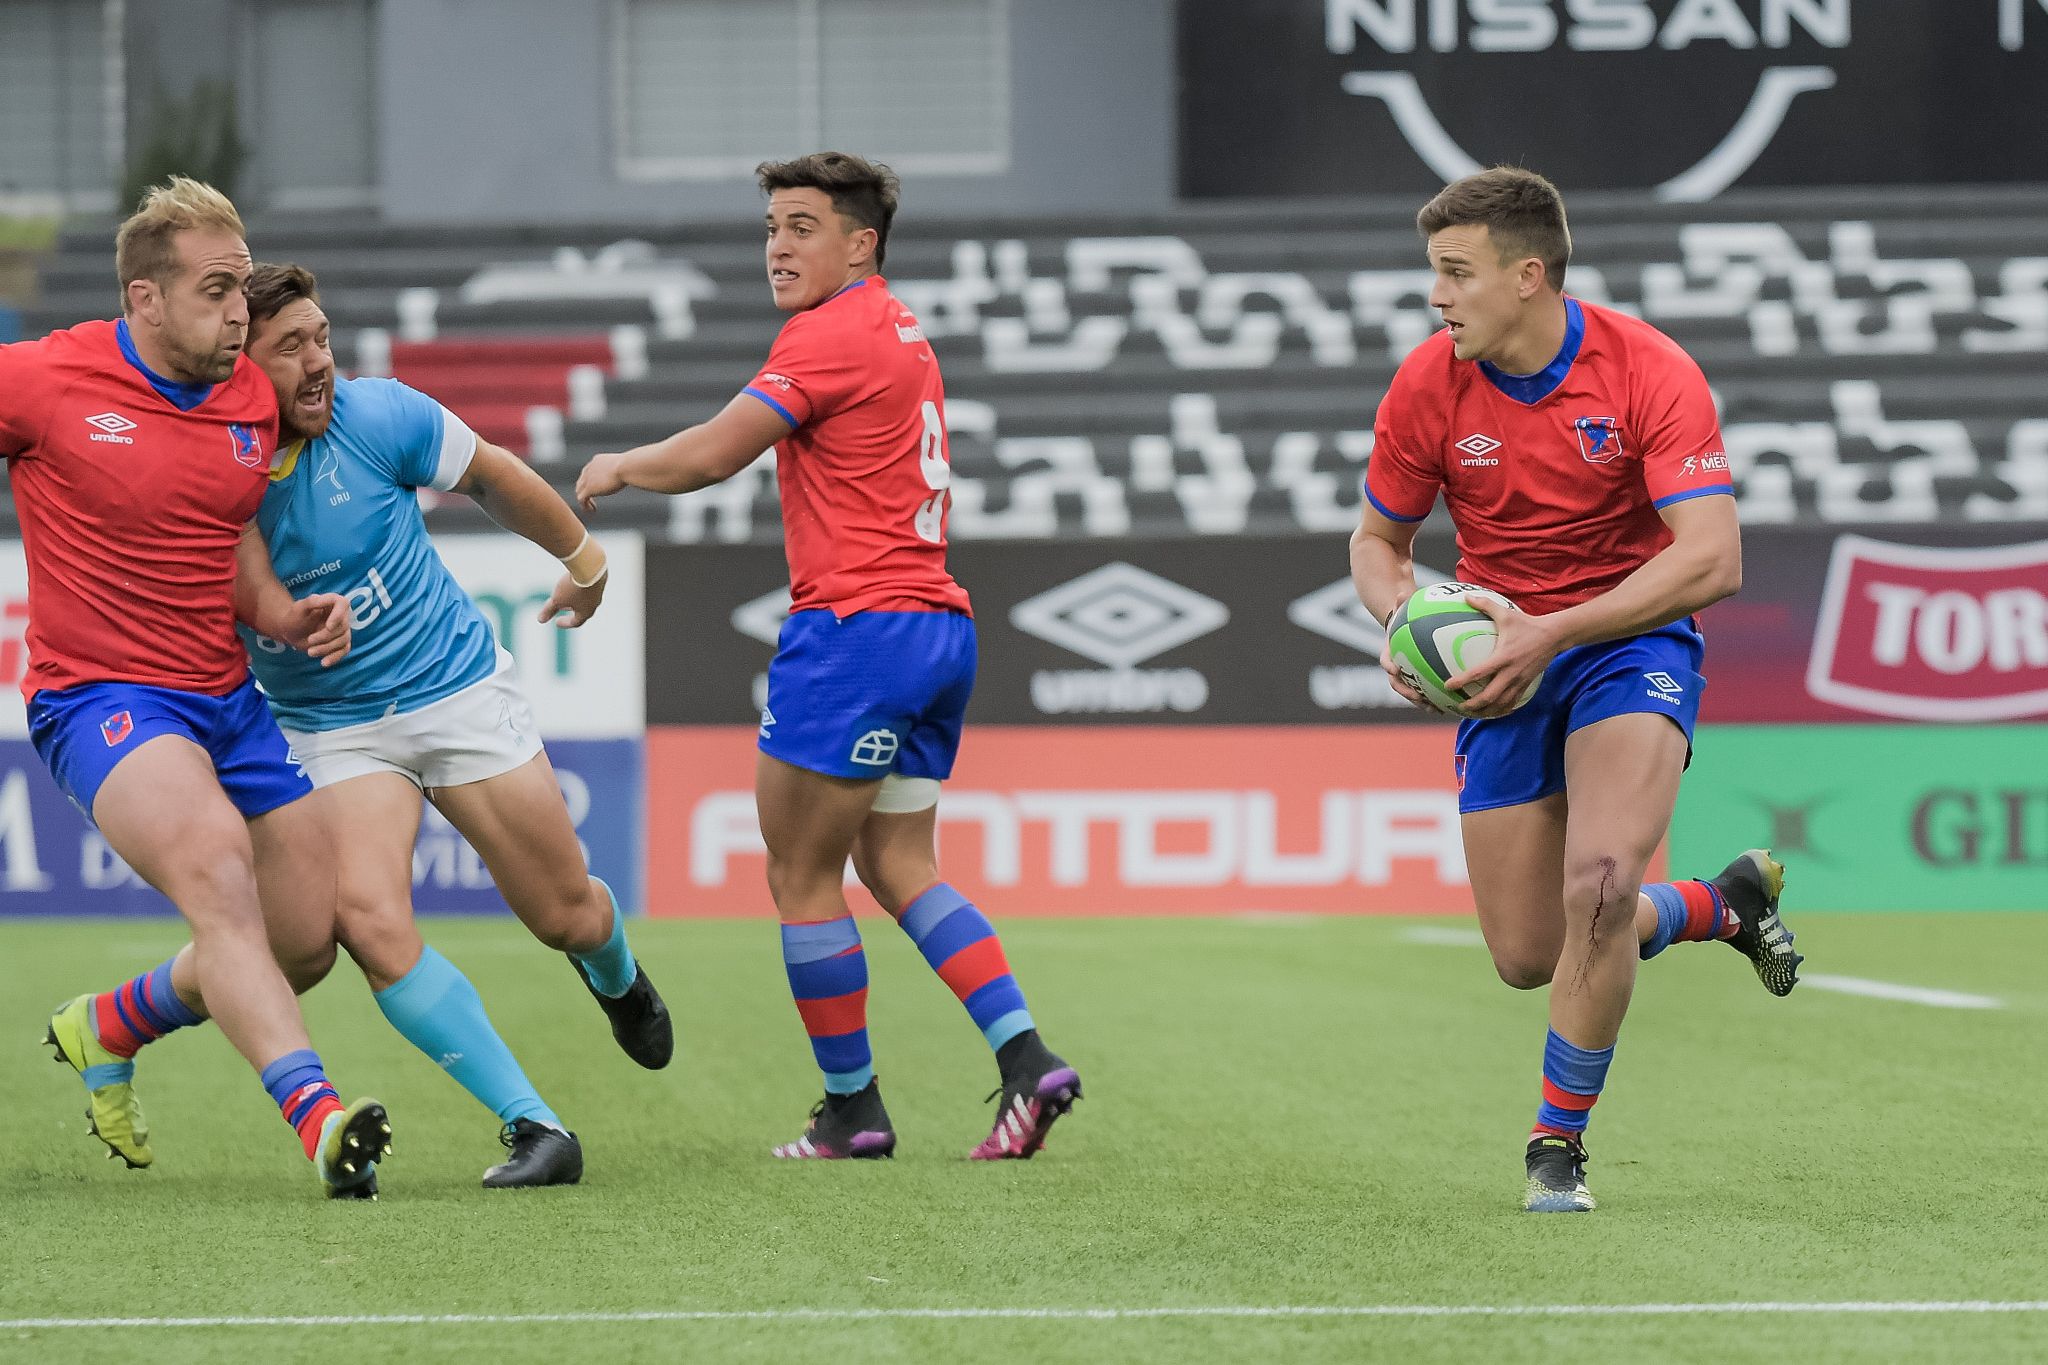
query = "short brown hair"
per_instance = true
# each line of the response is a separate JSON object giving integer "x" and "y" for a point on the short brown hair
{"x": 863, "y": 191}
{"x": 144, "y": 248}
{"x": 272, "y": 288}
{"x": 1520, "y": 210}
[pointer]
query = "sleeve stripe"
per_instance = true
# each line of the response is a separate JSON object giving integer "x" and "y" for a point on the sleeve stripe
{"x": 1389, "y": 513}
{"x": 1725, "y": 489}
{"x": 787, "y": 416}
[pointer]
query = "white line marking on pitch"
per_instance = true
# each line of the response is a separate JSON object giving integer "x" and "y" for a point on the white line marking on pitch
{"x": 1386, "y": 1310}
{"x": 1443, "y": 936}
{"x": 1912, "y": 995}
{"x": 1440, "y": 936}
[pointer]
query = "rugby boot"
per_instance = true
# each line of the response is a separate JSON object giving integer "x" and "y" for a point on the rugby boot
{"x": 1037, "y": 1089}
{"x": 352, "y": 1142}
{"x": 844, "y": 1127}
{"x": 539, "y": 1155}
{"x": 112, "y": 1114}
{"x": 1751, "y": 886}
{"x": 1557, "y": 1175}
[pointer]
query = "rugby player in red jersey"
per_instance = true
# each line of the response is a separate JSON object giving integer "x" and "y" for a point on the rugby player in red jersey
{"x": 1579, "y": 456}
{"x": 138, "y": 451}
{"x": 876, "y": 661}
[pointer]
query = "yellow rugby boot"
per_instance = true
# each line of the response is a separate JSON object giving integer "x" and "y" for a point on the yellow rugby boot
{"x": 114, "y": 1115}
{"x": 352, "y": 1142}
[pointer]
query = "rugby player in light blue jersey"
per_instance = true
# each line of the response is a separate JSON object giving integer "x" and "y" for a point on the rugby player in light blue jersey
{"x": 426, "y": 704}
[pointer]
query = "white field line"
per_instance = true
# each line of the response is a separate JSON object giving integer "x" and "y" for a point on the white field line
{"x": 1443, "y": 936}
{"x": 1448, "y": 937}
{"x": 832, "y": 1315}
{"x": 1912, "y": 995}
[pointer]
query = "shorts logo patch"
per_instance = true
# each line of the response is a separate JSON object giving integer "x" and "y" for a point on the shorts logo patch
{"x": 1664, "y": 687}
{"x": 767, "y": 721}
{"x": 116, "y": 728}
{"x": 875, "y": 749}
{"x": 1458, "y": 767}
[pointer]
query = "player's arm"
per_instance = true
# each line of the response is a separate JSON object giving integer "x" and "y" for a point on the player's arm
{"x": 1701, "y": 565}
{"x": 696, "y": 457}
{"x": 317, "y": 625}
{"x": 21, "y": 419}
{"x": 1383, "y": 572}
{"x": 515, "y": 496}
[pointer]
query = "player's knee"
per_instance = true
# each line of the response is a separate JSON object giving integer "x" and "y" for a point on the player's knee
{"x": 1525, "y": 971}
{"x": 377, "y": 931}
{"x": 213, "y": 881}
{"x": 1599, "y": 892}
{"x": 307, "y": 968}
{"x": 895, "y": 880}
{"x": 573, "y": 918}
{"x": 792, "y": 878}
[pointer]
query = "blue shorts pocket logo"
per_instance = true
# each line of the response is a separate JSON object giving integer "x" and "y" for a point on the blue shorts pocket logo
{"x": 1664, "y": 687}
{"x": 116, "y": 728}
{"x": 875, "y": 749}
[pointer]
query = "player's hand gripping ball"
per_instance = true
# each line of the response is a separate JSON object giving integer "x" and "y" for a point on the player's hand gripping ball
{"x": 1437, "y": 634}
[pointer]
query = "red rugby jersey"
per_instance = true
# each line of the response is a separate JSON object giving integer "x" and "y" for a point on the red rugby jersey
{"x": 1553, "y": 480}
{"x": 864, "y": 469}
{"x": 130, "y": 512}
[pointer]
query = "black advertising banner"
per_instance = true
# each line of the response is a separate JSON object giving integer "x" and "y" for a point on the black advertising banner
{"x": 1235, "y": 630}
{"x": 1919, "y": 624}
{"x": 1683, "y": 97}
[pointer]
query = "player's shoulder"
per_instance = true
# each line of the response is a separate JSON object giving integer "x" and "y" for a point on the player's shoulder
{"x": 852, "y": 312}
{"x": 84, "y": 345}
{"x": 1638, "y": 342}
{"x": 1426, "y": 374}
{"x": 372, "y": 407}
{"x": 376, "y": 393}
{"x": 248, "y": 390}
{"x": 1433, "y": 362}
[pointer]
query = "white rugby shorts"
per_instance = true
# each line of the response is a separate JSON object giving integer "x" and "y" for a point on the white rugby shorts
{"x": 483, "y": 731}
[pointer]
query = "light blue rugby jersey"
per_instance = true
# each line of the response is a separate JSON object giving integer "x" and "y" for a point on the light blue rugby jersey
{"x": 344, "y": 517}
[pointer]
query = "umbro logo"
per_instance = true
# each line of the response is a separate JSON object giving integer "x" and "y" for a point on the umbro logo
{"x": 112, "y": 427}
{"x": 1478, "y": 447}
{"x": 1119, "y": 615}
{"x": 1664, "y": 687}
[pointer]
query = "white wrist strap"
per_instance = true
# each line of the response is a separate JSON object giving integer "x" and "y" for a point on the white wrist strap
{"x": 581, "y": 558}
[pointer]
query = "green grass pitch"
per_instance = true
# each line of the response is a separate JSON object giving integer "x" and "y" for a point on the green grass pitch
{"x": 1281, "y": 1112}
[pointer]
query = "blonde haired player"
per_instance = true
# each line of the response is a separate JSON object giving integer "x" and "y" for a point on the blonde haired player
{"x": 138, "y": 451}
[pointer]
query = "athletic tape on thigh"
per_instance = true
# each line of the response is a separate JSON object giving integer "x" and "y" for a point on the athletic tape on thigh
{"x": 906, "y": 795}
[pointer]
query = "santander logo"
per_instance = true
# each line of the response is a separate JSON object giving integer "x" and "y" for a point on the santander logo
{"x": 1933, "y": 634}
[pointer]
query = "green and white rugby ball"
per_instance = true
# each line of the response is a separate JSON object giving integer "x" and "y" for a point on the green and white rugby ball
{"x": 1437, "y": 634}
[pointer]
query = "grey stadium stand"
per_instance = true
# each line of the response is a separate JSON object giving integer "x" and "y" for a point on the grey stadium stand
{"x": 1879, "y": 355}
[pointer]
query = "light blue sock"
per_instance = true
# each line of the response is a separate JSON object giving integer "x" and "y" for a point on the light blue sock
{"x": 434, "y": 1008}
{"x": 610, "y": 969}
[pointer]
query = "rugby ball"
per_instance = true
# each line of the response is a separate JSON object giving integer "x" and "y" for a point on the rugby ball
{"x": 1437, "y": 634}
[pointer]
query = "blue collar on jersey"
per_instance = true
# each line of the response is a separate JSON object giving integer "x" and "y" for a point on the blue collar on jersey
{"x": 1534, "y": 388}
{"x": 183, "y": 397}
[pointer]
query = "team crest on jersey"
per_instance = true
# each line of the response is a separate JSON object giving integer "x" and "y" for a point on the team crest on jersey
{"x": 1599, "y": 439}
{"x": 248, "y": 446}
{"x": 116, "y": 728}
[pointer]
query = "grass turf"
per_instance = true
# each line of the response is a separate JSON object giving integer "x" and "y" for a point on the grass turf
{"x": 1280, "y": 1112}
